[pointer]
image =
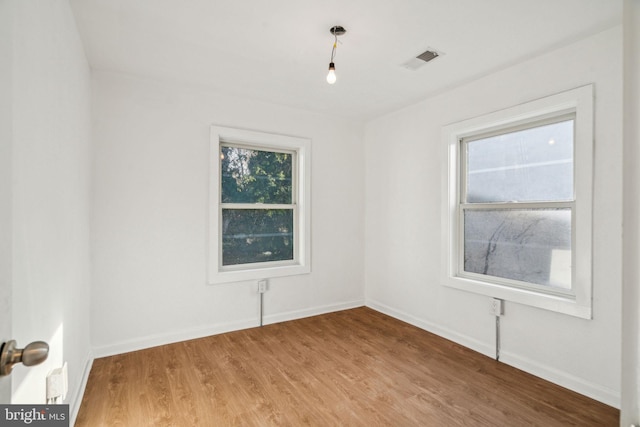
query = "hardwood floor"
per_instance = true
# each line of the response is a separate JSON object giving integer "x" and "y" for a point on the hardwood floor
{"x": 351, "y": 368}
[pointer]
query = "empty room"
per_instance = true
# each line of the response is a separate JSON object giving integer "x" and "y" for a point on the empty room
{"x": 284, "y": 213}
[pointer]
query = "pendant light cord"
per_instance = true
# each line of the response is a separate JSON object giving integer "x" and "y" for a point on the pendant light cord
{"x": 335, "y": 45}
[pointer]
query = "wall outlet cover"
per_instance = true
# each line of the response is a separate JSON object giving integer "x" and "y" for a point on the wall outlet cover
{"x": 497, "y": 307}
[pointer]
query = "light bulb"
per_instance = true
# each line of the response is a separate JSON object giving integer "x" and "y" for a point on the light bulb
{"x": 331, "y": 77}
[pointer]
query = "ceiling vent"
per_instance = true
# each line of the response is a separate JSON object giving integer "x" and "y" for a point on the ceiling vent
{"x": 422, "y": 59}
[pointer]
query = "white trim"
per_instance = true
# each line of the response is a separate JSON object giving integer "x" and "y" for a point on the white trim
{"x": 561, "y": 378}
{"x": 302, "y": 217}
{"x": 255, "y": 206}
{"x": 75, "y": 400}
{"x": 548, "y": 373}
{"x": 216, "y": 329}
{"x": 309, "y": 312}
{"x": 156, "y": 340}
{"x": 578, "y": 100}
{"x": 451, "y": 335}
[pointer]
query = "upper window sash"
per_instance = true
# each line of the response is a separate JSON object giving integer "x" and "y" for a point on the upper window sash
{"x": 546, "y": 153}
{"x": 227, "y": 146}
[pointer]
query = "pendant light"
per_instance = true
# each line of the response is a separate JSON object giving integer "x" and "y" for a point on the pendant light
{"x": 336, "y": 31}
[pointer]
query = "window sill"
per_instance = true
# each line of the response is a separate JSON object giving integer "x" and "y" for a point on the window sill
{"x": 558, "y": 303}
{"x": 257, "y": 273}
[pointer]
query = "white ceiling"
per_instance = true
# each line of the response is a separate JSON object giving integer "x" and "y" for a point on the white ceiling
{"x": 278, "y": 50}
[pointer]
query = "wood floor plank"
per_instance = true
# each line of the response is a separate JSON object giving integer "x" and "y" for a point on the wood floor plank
{"x": 351, "y": 368}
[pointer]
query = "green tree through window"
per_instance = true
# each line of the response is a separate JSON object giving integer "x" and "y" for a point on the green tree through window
{"x": 258, "y": 206}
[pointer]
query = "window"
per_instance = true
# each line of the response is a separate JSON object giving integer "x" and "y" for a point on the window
{"x": 259, "y": 205}
{"x": 518, "y": 203}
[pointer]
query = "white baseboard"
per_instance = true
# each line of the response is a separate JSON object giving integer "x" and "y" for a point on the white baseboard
{"x": 171, "y": 337}
{"x": 194, "y": 333}
{"x": 456, "y": 337}
{"x": 75, "y": 399}
{"x": 308, "y": 312}
{"x": 579, "y": 385}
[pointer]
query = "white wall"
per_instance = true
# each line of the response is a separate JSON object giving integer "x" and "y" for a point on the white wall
{"x": 630, "y": 410}
{"x": 6, "y": 119}
{"x": 51, "y": 193}
{"x": 403, "y": 222}
{"x": 149, "y": 222}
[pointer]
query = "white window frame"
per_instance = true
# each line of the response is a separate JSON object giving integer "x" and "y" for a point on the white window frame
{"x": 576, "y": 302}
{"x": 300, "y": 149}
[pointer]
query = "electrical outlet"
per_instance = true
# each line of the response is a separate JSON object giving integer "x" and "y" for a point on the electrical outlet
{"x": 57, "y": 384}
{"x": 263, "y": 286}
{"x": 497, "y": 307}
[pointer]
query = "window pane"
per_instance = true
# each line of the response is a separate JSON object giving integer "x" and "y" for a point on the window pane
{"x": 255, "y": 176}
{"x": 529, "y": 165}
{"x": 529, "y": 245}
{"x": 256, "y": 235}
